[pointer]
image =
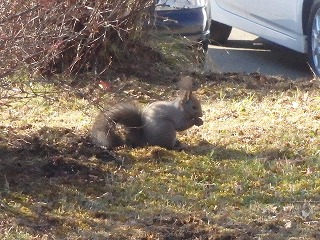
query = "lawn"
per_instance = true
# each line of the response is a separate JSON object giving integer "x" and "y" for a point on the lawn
{"x": 252, "y": 171}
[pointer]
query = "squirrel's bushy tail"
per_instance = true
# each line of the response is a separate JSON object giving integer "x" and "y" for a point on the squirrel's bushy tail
{"x": 106, "y": 132}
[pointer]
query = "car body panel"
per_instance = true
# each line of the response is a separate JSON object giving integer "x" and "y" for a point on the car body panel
{"x": 234, "y": 7}
{"x": 178, "y": 4}
{"x": 185, "y": 22}
{"x": 283, "y": 15}
{"x": 187, "y": 18}
{"x": 277, "y": 21}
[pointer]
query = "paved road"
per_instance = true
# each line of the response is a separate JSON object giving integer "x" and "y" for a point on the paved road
{"x": 245, "y": 52}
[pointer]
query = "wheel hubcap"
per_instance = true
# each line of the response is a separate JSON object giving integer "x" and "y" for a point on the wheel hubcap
{"x": 315, "y": 41}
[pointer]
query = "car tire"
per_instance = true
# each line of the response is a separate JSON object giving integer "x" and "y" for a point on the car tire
{"x": 313, "y": 31}
{"x": 219, "y": 32}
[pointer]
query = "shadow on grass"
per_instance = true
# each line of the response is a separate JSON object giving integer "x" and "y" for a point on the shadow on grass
{"x": 219, "y": 153}
{"x": 64, "y": 186}
{"x": 40, "y": 177}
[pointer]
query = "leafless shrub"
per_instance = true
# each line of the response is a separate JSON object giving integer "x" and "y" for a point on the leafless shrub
{"x": 51, "y": 36}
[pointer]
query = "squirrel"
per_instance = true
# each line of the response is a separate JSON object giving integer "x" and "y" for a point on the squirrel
{"x": 155, "y": 125}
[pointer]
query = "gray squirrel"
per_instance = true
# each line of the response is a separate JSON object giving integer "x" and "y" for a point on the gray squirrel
{"x": 155, "y": 125}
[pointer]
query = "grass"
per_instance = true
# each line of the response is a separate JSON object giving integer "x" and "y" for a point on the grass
{"x": 251, "y": 172}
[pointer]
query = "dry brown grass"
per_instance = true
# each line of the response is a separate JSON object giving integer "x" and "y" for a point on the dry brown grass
{"x": 252, "y": 170}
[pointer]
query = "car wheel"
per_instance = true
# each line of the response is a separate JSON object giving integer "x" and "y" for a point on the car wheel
{"x": 219, "y": 32}
{"x": 314, "y": 38}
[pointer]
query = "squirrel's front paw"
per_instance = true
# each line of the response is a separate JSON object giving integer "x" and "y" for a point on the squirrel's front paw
{"x": 197, "y": 121}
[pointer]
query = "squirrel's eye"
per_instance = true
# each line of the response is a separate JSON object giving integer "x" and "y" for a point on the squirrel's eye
{"x": 194, "y": 107}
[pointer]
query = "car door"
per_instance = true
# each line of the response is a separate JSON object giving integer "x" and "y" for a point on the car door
{"x": 235, "y": 7}
{"x": 279, "y": 15}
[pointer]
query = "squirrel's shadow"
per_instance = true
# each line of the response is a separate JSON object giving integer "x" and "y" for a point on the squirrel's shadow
{"x": 217, "y": 152}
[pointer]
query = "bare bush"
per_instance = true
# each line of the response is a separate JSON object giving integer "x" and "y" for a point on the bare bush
{"x": 51, "y": 36}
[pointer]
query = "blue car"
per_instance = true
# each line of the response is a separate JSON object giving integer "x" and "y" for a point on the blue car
{"x": 186, "y": 18}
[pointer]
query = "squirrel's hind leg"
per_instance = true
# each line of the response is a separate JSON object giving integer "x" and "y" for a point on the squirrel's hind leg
{"x": 135, "y": 138}
{"x": 160, "y": 134}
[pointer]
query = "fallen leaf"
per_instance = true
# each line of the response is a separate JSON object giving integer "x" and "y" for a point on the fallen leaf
{"x": 105, "y": 86}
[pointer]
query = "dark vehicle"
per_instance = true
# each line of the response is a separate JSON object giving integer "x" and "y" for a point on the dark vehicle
{"x": 186, "y": 18}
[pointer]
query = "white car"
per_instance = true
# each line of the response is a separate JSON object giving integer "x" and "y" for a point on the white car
{"x": 291, "y": 23}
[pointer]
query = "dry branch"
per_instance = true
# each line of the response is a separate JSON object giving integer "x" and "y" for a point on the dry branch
{"x": 53, "y": 36}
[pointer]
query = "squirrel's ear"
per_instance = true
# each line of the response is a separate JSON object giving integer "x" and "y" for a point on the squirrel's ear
{"x": 185, "y": 86}
{"x": 185, "y": 95}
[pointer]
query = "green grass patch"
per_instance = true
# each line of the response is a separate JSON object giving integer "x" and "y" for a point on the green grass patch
{"x": 251, "y": 172}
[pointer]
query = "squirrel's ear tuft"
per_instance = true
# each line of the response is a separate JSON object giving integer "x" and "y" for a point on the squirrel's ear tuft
{"x": 185, "y": 86}
{"x": 185, "y": 95}
{"x": 186, "y": 83}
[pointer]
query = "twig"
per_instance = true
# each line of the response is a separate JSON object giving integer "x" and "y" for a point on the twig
{"x": 19, "y": 14}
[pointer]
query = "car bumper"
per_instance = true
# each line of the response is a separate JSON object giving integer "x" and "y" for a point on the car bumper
{"x": 187, "y": 22}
